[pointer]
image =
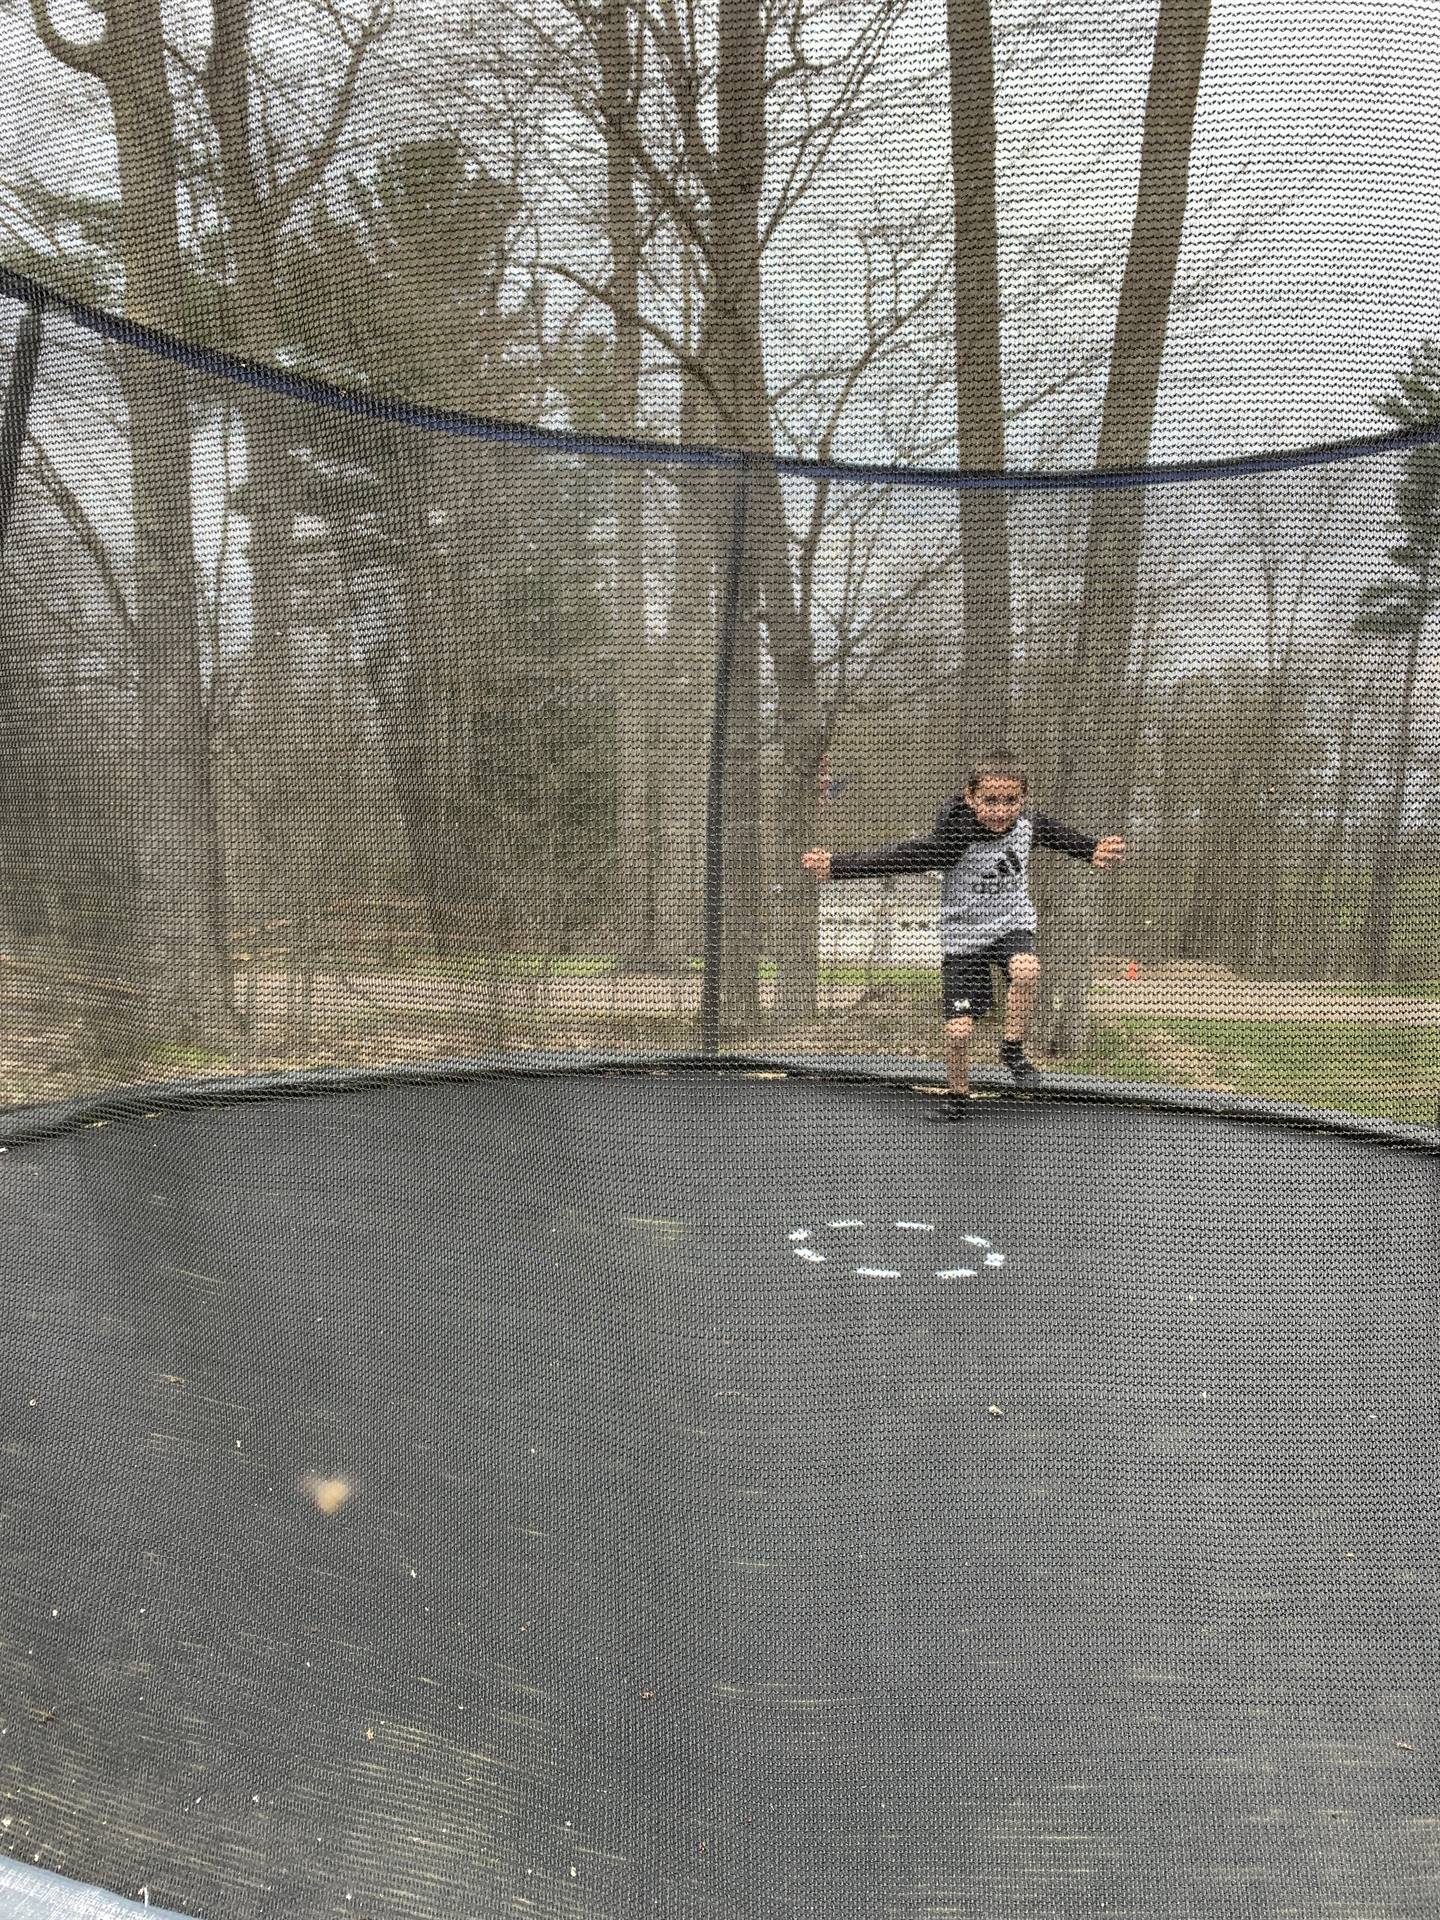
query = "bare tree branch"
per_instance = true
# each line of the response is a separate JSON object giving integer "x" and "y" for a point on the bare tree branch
{"x": 677, "y": 55}
{"x": 814, "y": 143}
{"x": 286, "y": 196}
{"x": 81, "y": 56}
{"x": 85, "y": 531}
{"x": 691, "y": 363}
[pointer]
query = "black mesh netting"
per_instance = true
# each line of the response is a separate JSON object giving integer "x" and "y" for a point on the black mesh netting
{"x": 512, "y": 1401}
{"x": 432, "y": 776}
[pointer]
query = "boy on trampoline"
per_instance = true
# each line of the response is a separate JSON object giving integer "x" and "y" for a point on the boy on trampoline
{"x": 981, "y": 842}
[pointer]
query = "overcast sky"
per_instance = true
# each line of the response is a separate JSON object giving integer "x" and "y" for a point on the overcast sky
{"x": 1310, "y": 267}
{"x": 1319, "y": 125}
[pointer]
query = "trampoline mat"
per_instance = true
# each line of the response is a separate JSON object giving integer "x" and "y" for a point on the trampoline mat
{"x": 705, "y": 1495}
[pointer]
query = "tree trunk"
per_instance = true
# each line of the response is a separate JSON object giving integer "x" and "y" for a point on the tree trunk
{"x": 1112, "y": 554}
{"x": 253, "y": 323}
{"x": 801, "y": 726}
{"x": 1330, "y": 877}
{"x": 24, "y": 778}
{"x": 732, "y": 323}
{"x": 635, "y": 675}
{"x": 174, "y": 920}
{"x": 181, "y": 906}
{"x": 15, "y": 416}
{"x": 426, "y": 691}
{"x": 1384, "y": 869}
{"x": 686, "y": 680}
{"x": 983, "y": 721}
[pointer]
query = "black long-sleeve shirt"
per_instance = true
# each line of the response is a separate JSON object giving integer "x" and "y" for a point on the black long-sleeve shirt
{"x": 986, "y": 889}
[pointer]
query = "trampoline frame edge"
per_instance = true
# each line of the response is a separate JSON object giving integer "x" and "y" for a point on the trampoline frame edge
{"x": 21, "y": 1124}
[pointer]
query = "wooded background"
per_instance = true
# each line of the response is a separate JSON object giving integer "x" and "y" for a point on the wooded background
{"x": 287, "y": 687}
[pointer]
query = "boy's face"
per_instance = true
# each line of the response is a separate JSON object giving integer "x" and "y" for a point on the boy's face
{"x": 997, "y": 803}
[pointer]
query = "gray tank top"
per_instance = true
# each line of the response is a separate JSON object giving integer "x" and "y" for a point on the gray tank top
{"x": 987, "y": 891}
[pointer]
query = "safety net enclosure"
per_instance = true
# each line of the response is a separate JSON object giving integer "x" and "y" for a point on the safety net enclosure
{"x": 411, "y": 787}
{"x": 509, "y": 1403}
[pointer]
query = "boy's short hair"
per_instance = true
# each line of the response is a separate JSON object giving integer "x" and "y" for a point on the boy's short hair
{"x": 997, "y": 766}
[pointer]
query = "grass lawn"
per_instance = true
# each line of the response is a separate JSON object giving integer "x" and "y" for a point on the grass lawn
{"x": 1388, "y": 1070}
{"x": 1385, "y": 1072}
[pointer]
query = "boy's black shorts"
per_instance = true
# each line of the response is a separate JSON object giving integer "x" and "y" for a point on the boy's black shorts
{"x": 965, "y": 983}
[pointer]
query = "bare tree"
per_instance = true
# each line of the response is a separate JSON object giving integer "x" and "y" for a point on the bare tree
{"x": 1117, "y": 514}
{"x": 618, "y": 46}
{"x": 725, "y": 196}
{"x": 180, "y": 907}
{"x": 684, "y": 674}
{"x": 979, "y": 398}
{"x": 1399, "y": 611}
{"x": 1288, "y": 559}
{"x": 259, "y": 190}
{"x": 1355, "y": 679}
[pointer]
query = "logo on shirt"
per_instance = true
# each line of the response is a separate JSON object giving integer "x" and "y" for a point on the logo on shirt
{"x": 999, "y": 878}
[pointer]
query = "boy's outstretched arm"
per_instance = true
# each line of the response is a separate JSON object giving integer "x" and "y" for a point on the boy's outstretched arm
{"x": 952, "y": 833}
{"x": 1081, "y": 846}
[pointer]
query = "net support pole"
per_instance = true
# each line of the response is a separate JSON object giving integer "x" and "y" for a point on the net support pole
{"x": 715, "y": 798}
{"x": 15, "y": 420}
